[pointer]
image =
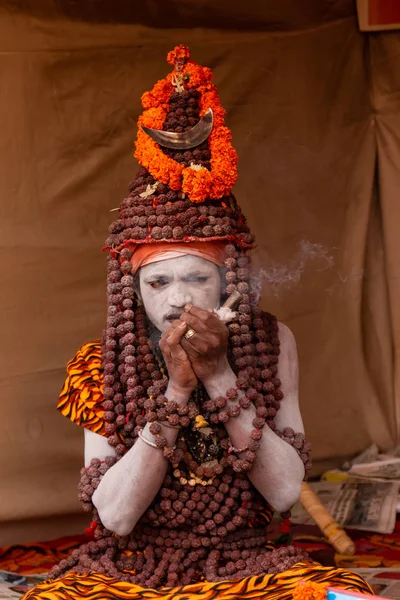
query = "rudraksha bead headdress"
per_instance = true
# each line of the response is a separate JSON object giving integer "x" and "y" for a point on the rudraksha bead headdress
{"x": 181, "y": 198}
{"x": 182, "y": 192}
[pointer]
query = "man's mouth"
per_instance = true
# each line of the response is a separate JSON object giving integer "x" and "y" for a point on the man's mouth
{"x": 172, "y": 317}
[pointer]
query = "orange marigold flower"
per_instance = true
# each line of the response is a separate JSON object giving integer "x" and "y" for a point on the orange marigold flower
{"x": 310, "y": 591}
{"x": 153, "y": 117}
{"x": 196, "y": 184}
{"x": 175, "y": 179}
{"x": 160, "y": 94}
{"x": 180, "y": 52}
{"x": 197, "y": 75}
{"x": 210, "y": 99}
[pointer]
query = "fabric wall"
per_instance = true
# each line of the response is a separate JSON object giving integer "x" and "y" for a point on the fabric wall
{"x": 314, "y": 110}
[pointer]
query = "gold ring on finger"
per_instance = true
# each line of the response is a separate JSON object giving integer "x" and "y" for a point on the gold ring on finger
{"x": 189, "y": 334}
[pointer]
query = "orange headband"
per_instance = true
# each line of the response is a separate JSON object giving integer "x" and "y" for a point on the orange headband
{"x": 144, "y": 254}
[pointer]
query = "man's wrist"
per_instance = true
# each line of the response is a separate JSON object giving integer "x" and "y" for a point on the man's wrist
{"x": 168, "y": 432}
{"x": 219, "y": 383}
{"x": 177, "y": 393}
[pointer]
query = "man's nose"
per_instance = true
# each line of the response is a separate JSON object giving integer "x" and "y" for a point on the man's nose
{"x": 179, "y": 295}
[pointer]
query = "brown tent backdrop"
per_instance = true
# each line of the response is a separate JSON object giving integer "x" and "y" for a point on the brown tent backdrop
{"x": 313, "y": 105}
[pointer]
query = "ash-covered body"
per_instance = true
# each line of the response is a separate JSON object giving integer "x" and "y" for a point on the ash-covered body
{"x": 198, "y": 511}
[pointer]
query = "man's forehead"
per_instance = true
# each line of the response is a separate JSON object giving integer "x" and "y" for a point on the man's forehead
{"x": 180, "y": 264}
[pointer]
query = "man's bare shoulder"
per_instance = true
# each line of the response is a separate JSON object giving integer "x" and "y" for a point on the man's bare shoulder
{"x": 288, "y": 342}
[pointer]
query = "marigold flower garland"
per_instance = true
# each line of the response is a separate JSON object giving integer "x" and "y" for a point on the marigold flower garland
{"x": 197, "y": 184}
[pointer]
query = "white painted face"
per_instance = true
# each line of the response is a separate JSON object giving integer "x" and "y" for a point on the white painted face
{"x": 166, "y": 286}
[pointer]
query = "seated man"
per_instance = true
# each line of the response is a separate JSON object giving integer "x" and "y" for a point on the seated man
{"x": 193, "y": 434}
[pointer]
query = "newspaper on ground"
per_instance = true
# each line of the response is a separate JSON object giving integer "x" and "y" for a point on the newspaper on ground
{"x": 370, "y": 464}
{"x": 13, "y": 585}
{"x": 387, "y": 469}
{"x": 336, "y": 476}
{"x": 356, "y": 503}
{"x": 369, "y": 455}
{"x": 384, "y": 582}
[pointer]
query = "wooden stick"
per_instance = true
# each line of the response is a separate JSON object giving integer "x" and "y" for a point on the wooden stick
{"x": 331, "y": 530}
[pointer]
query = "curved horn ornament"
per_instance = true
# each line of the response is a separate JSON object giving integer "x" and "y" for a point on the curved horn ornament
{"x": 188, "y": 139}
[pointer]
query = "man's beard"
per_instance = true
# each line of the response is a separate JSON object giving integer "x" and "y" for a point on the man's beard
{"x": 155, "y": 337}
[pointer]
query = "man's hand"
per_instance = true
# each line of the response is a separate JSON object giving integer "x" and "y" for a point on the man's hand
{"x": 180, "y": 371}
{"x": 207, "y": 349}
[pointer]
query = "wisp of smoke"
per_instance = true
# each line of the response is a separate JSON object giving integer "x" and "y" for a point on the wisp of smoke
{"x": 277, "y": 277}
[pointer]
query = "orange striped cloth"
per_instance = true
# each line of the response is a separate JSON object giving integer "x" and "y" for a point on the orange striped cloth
{"x": 82, "y": 394}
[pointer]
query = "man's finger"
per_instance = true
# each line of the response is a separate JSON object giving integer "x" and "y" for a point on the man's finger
{"x": 201, "y": 325}
{"x": 176, "y": 334}
{"x": 166, "y": 332}
{"x": 165, "y": 349}
{"x": 195, "y": 346}
{"x": 207, "y": 316}
{"x": 175, "y": 348}
{"x": 178, "y": 353}
{"x": 199, "y": 313}
{"x": 176, "y": 323}
{"x": 194, "y": 323}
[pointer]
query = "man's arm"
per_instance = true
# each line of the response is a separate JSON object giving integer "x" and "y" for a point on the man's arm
{"x": 277, "y": 471}
{"x": 128, "y": 487}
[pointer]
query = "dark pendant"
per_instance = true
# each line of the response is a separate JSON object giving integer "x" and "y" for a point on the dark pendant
{"x": 202, "y": 447}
